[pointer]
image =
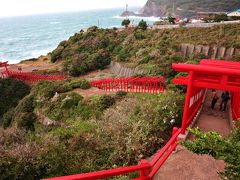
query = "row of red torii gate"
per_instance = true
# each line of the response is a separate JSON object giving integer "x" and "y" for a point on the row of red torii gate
{"x": 28, "y": 77}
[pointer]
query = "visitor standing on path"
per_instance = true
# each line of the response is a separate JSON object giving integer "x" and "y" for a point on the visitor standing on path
{"x": 225, "y": 97}
{"x": 214, "y": 98}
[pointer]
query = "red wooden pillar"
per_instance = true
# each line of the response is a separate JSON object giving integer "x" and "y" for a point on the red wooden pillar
{"x": 151, "y": 86}
{"x": 157, "y": 91}
{"x": 131, "y": 85}
{"x": 112, "y": 84}
{"x": 187, "y": 102}
{"x": 141, "y": 87}
{"x": 136, "y": 86}
{"x": 125, "y": 86}
{"x": 174, "y": 130}
{"x": 144, "y": 85}
{"x": 109, "y": 85}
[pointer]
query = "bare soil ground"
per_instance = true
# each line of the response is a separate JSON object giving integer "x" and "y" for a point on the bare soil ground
{"x": 185, "y": 165}
{"x": 42, "y": 63}
{"x": 91, "y": 92}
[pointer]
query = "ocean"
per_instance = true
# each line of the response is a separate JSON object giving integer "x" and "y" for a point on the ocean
{"x": 26, "y": 37}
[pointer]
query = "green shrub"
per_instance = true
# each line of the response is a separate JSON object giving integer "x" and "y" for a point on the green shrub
{"x": 83, "y": 84}
{"x": 102, "y": 60}
{"x": 122, "y": 55}
{"x": 7, "y": 118}
{"x": 220, "y": 148}
{"x": 171, "y": 19}
{"x": 12, "y": 91}
{"x": 139, "y": 35}
{"x": 76, "y": 71}
{"x": 56, "y": 54}
{"x": 236, "y": 57}
{"x": 26, "y": 120}
{"x": 142, "y": 25}
{"x": 26, "y": 104}
{"x": 105, "y": 102}
{"x": 145, "y": 60}
{"x": 71, "y": 100}
{"x": 126, "y": 23}
{"x": 121, "y": 94}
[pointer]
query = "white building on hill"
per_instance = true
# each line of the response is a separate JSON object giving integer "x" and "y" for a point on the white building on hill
{"x": 234, "y": 13}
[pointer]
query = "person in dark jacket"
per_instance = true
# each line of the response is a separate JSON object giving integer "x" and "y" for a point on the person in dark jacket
{"x": 225, "y": 97}
{"x": 214, "y": 98}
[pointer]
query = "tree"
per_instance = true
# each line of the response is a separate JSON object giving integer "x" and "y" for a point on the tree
{"x": 126, "y": 23}
{"x": 171, "y": 19}
{"x": 220, "y": 17}
{"x": 12, "y": 91}
{"x": 142, "y": 25}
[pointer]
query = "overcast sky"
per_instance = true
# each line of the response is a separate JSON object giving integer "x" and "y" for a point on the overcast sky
{"x": 26, "y": 7}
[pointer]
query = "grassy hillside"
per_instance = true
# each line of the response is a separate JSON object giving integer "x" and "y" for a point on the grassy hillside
{"x": 65, "y": 134}
{"x": 154, "y": 50}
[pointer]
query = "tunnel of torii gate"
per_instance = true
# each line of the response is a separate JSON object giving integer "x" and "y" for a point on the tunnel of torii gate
{"x": 209, "y": 74}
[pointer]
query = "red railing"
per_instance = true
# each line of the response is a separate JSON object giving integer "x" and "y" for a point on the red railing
{"x": 132, "y": 84}
{"x": 147, "y": 170}
{"x": 30, "y": 77}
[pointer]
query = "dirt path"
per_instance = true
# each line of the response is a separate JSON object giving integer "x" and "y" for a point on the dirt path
{"x": 91, "y": 92}
{"x": 214, "y": 120}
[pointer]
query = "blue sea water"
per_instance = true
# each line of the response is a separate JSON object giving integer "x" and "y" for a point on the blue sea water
{"x": 27, "y": 37}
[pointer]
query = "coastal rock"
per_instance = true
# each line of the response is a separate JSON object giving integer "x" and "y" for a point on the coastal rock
{"x": 129, "y": 13}
{"x": 152, "y": 8}
{"x": 183, "y": 8}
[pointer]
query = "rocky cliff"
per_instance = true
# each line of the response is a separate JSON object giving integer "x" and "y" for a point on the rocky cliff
{"x": 187, "y": 8}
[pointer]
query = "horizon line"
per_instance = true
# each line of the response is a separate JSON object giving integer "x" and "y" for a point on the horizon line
{"x": 70, "y": 11}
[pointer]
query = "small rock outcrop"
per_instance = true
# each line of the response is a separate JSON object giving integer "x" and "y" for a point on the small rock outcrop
{"x": 184, "y": 164}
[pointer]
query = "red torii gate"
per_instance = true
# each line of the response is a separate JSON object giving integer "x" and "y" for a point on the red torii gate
{"x": 213, "y": 74}
{"x": 132, "y": 84}
{"x": 4, "y": 64}
{"x": 27, "y": 76}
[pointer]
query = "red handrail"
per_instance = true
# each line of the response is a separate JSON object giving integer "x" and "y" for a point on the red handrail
{"x": 105, "y": 173}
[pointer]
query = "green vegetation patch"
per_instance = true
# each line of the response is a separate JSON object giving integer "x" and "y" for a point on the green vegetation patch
{"x": 158, "y": 48}
{"x": 87, "y": 135}
{"x": 227, "y": 149}
{"x": 11, "y": 92}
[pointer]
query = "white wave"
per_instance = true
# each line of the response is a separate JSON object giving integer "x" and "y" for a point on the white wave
{"x": 55, "y": 22}
{"x": 115, "y": 26}
{"x": 28, "y": 55}
{"x": 151, "y": 18}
